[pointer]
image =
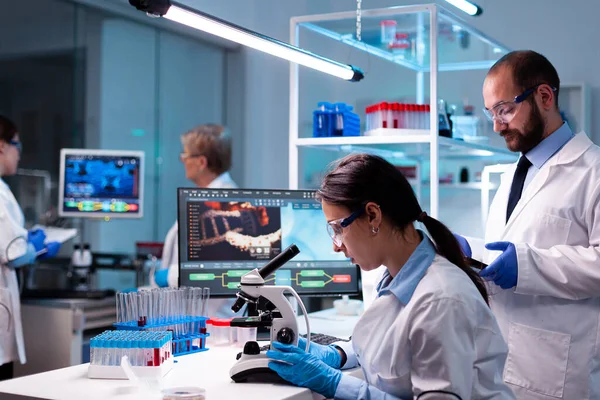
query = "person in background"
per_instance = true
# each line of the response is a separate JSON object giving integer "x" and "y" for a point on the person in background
{"x": 543, "y": 236}
{"x": 18, "y": 247}
{"x": 206, "y": 157}
{"x": 429, "y": 334}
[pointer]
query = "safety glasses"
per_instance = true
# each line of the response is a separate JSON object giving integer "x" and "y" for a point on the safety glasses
{"x": 336, "y": 227}
{"x": 505, "y": 111}
{"x": 17, "y": 144}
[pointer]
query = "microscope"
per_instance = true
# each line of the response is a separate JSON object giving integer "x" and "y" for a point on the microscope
{"x": 274, "y": 311}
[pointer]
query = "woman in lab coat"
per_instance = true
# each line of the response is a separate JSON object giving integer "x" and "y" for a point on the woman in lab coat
{"x": 17, "y": 248}
{"x": 429, "y": 334}
{"x": 206, "y": 157}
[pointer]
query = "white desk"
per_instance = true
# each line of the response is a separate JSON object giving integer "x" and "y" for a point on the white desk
{"x": 208, "y": 370}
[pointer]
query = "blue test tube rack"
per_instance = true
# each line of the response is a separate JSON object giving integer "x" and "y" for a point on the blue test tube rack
{"x": 335, "y": 119}
{"x": 189, "y": 332}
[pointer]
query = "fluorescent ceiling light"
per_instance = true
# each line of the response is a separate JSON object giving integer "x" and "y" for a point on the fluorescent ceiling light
{"x": 215, "y": 26}
{"x": 466, "y": 6}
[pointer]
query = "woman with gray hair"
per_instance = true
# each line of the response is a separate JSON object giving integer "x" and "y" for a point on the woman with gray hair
{"x": 206, "y": 157}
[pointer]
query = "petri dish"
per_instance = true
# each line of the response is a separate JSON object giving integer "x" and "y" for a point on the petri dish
{"x": 184, "y": 393}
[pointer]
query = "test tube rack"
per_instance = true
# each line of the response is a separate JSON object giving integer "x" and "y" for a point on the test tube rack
{"x": 189, "y": 332}
{"x": 149, "y": 354}
{"x": 116, "y": 372}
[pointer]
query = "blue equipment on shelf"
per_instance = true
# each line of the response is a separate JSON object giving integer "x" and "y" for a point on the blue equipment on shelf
{"x": 335, "y": 119}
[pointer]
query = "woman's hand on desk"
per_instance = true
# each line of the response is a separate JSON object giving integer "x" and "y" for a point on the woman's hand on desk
{"x": 330, "y": 355}
{"x": 304, "y": 369}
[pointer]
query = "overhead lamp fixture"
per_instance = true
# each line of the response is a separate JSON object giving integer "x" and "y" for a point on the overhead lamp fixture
{"x": 216, "y": 26}
{"x": 466, "y": 6}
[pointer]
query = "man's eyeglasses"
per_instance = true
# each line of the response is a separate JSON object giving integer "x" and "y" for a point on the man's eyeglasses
{"x": 336, "y": 228}
{"x": 505, "y": 111}
{"x": 17, "y": 144}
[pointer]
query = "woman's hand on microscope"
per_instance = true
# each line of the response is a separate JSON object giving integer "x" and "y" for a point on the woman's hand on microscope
{"x": 304, "y": 369}
{"x": 330, "y": 355}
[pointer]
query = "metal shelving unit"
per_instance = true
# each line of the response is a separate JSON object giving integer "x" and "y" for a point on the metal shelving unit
{"x": 428, "y": 28}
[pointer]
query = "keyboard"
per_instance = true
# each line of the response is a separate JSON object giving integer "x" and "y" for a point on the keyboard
{"x": 320, "y": 338}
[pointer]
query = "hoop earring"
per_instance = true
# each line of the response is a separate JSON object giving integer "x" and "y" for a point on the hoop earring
{"x": 375, "y": 230}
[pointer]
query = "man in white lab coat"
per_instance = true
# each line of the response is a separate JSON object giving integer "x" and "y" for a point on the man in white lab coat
{"x": 543, "y": 236}
{"x": 206, "y": 157}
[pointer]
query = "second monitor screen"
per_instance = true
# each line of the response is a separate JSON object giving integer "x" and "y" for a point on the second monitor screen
{"x": 229, "y": 232}
{"x": 101, "y": 183}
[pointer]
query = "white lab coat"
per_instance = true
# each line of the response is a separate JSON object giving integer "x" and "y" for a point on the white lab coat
{"x": 170, "y": 256}
{"x": 13, "y": 244}
{"x": 446, "y": 338}
{"x": 551, "y": 320}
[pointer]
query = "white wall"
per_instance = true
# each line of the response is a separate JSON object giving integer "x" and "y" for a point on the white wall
{"x": 191, "y": 92}
{"x": 153, "y": 87}
{"x": 127, "y": 103}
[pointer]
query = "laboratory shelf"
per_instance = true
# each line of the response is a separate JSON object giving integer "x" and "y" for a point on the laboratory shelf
{"x": 460, "y": 47}
{"x": 426, "y": 39}
{"x": 412, "y": 144}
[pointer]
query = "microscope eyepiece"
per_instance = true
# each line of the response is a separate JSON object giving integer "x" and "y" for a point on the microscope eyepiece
{"x": 264, "y": 272}
{"x": 278, "y": 261}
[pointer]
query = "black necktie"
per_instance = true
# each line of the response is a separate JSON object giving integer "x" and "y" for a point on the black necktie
{"x": 517, "y": 185}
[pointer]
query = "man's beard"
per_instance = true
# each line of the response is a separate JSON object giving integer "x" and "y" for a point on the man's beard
{"x": 533, "y": 135}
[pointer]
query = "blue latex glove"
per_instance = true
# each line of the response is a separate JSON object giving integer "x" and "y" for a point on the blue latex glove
{"x": 464, "y": 245}
{"x": 36, "y": 237}
{"x": 328, "y": 354}
{"x": 161, "y": 277}
{"x": 305, "y": 370}
{"x": 52, "y": 249}
{"x": 503, "y": 270}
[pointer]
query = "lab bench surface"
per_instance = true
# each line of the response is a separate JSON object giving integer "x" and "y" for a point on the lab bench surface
{"x": 208, "y": 370}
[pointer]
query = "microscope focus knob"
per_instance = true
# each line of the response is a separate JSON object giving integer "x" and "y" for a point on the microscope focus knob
{"x": 251, "y": 348}
{"x": 286, "y": 336}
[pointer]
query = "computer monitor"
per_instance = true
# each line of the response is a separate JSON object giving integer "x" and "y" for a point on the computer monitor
{"x": 224, "y": 233}
{"x": 101, "y": 183}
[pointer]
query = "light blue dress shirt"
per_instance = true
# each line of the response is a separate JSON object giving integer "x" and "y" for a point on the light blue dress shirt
{"x": 540, "y": 154}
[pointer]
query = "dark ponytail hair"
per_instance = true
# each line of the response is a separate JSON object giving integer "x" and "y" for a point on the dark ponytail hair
{"x": 361, "y": 178}
{"x": 8, "y": 129}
